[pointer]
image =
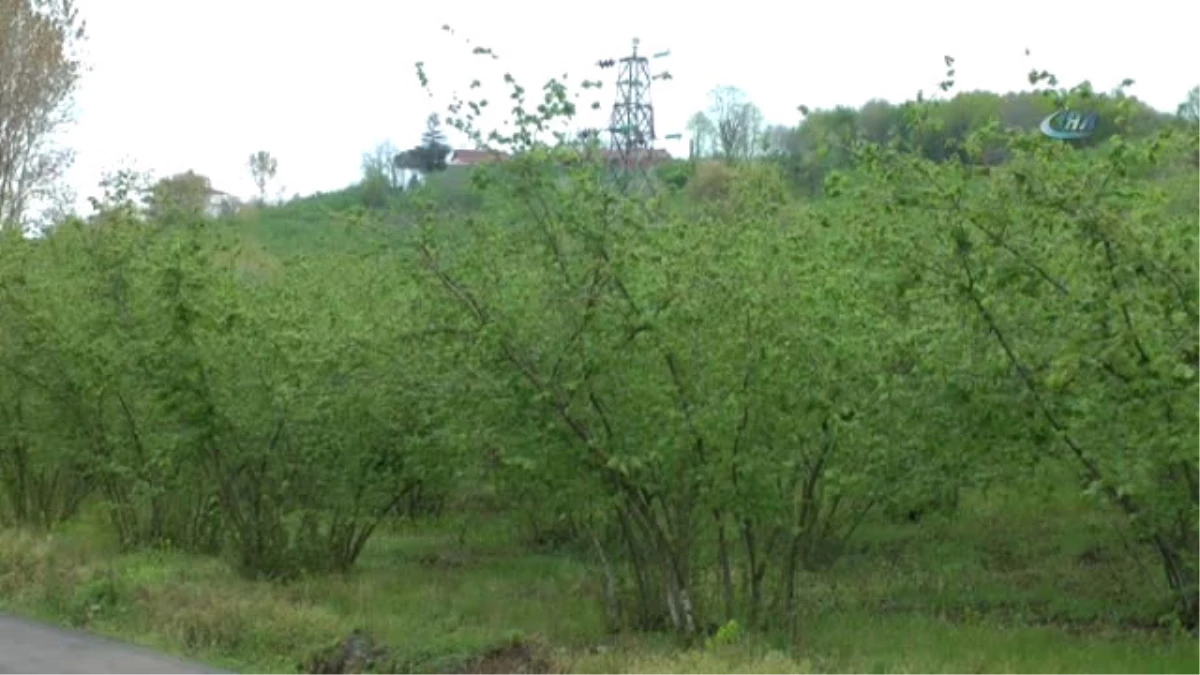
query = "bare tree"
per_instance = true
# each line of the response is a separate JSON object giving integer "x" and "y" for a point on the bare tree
{"x": 262, "y": 168}
{"x": 39, "y": 73}
{"x": 738, "y": 122}
{"x": 703, "y": 135}
{"x": 1189, "y": 110}
{"x": 382, "y": 161}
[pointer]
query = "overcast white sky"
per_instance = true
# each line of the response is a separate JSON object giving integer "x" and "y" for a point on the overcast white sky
{"x": 200, "y": 84}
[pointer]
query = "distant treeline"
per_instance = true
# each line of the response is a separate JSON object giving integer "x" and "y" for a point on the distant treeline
{"x": 821, "y": 142}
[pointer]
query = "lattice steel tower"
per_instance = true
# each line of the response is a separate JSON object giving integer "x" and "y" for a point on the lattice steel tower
{"x": 631, "y": 127}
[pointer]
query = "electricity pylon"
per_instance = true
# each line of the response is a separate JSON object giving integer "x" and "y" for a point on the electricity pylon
{"x": 631, "y": 126}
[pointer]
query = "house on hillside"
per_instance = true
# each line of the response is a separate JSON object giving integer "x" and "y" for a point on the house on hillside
{"x": 475, "y": 157}
{"x": 468, "y": 158}
{"x": 410, "y": 174}
{"x": 649, "y": 157}
{"x": 219, "y": 203}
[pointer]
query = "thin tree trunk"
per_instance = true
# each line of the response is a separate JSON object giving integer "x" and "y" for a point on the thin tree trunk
{"x": 612, "y": 603}
{"x": 726, "y": 571}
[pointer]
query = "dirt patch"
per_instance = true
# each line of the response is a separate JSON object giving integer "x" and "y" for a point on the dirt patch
{"x": 357, "y": 653}
{"x": 445, "y": 559}
{"x": 361, "y": 653}
{"x": 520, "y": 657}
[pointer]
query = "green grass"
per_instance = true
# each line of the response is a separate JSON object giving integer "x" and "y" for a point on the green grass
{"x": 306, "y": 226}
{"x": 859, "y": 643}
{"x": 1024, "y": 559}
{"x": 1011, "y": 584}
{"x": 415, "y": 591}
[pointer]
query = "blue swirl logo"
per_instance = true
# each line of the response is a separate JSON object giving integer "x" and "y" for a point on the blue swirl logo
{"x": 1068, "y": 125}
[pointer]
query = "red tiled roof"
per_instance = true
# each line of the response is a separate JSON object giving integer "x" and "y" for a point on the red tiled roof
{"x": 468, "y": 157}
{"x": 473, "y": 157}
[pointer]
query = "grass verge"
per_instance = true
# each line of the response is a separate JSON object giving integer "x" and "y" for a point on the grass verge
{"x": 1000, "y": 588}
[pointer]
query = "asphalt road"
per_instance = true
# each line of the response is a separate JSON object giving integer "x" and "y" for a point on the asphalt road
{"x": 32, "y": 647}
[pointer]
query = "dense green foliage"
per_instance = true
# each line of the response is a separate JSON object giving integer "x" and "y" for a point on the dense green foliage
{"x": 728, "y": 380}
{"x": 706, "y": 393}
{"x": 823, "y": 141}
{"x": 211, "y": 404}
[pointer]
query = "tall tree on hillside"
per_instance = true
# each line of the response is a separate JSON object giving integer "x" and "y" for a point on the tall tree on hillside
{"x": 124, "y": 194}
{"x": 406, "y": 162}
{"x": 431, "y": 154}
{"x": 877, "y": 119}
{"x": 262, "y": 168}
{"x": 703, "y": 134}
{"x": 1189, "y": 110}
{"x": 382, "y": 161}
{"x": 433, "y": 131}
{"x": 39, "y": 72}
{"x": 738, "y": 122}
{"x": 184, "y": 196}
{"x": 1189, "y": 113}
{"x": 382, "y": 170}
{"x": 1024, "y": 110}
{"x": 782, "y": 142}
